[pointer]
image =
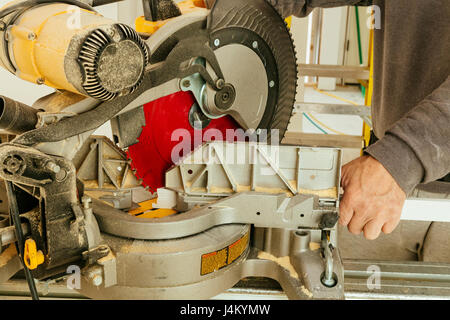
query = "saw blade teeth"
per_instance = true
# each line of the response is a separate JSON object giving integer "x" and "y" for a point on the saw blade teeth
{"x": 274, "y": 31}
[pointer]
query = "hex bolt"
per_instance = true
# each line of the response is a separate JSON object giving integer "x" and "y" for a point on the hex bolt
{"x": 94, "y": 275}
{"x": 61, "y": 175}
{"x": 31, "y": 36}
{"x": 97, "y": 280}
{"x": 220, "y": 83}
{"x": 86, "y": 200}
{"x": 13, "y": 164}
{"x": 53, "y": 167}
{"x": 186, "y": 83}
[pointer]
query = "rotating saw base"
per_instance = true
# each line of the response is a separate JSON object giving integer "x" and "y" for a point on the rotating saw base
{"x": 196, "y": 267}
{"x": 171, "y": 269}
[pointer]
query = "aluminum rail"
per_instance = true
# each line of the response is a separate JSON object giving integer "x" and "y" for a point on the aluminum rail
{"x": 399, "y": 280}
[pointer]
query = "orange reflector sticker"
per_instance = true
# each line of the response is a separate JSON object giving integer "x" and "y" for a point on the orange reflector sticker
{"x": 216, "y": 260}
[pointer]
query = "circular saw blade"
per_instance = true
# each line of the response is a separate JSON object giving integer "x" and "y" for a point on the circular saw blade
{"x": 167, "y": 126}
{"x": 257, "y": 25}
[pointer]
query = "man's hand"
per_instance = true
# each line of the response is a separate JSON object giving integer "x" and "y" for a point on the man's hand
{"x": 372, "y": 201}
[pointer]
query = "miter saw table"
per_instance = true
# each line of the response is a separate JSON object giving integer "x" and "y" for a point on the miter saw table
{"x": 199, "y": 100}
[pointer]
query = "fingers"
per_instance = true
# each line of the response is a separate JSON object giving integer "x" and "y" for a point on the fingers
{"x": 369, "y": 204}
{"x": 372, "y": 229}
{"x": 358, "y": 222}
{"x": 389, "y": 226}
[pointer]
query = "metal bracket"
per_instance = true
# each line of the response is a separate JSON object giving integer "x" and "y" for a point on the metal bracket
{"x": 260, "y": 209}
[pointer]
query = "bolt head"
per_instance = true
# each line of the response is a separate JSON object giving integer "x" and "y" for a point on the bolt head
{"x": 86, "y": 200}
{"x": 255, "y": 44}
{"x": 186, "y": 83}
{"x": 97, "y": 280}
{"x": 31, "y": 36}
{"x": 217, "y": 42}
{"x": 53, "y": 167}
{"x": 272, "y": 84}
{"x": 220, "y": 83}
{"x": 13, "y": 164}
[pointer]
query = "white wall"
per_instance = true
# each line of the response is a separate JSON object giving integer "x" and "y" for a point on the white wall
{"x": 332, "y": 42}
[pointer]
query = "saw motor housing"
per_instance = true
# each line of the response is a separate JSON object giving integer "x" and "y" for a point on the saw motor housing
{"x": 74, "y": 49}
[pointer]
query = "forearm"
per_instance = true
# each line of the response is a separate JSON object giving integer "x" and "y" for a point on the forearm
{"x": 417, "y": 147}
{"x": 302, "y": 8}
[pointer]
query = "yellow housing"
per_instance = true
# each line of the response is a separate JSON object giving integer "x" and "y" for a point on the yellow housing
{"x": 150, "y": 27}
{"x": 39, "y": 40}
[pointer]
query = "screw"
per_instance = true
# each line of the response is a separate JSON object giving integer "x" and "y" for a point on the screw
{"x": 13, "y": 164}
{"x": 328, "y": 282}
{"x": 40, "y": 81}
{"x": 53, "y": 167}
{"x": 31, "y": 36}
{"x": 86, "y": 200}
{"x": 61, "y": 175}
{"x": 217, "y": 42}
{"x": 112, "y": 32}
{"x": 272, "y": 84}
{"x": 220, "y": 83}
{"x": 97, "y": 280}
{"x": 255, "y": 44}
{"x": 186, "y": 83}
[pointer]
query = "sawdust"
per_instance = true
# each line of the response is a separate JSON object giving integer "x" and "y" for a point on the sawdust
{"x": 151, "y": 247}
{"x": 306, "y": 291}
{"x": 323, "y": 193}
{"x": 220, "y": 190}
{"x": 7, "y": 255}
{"x": 283, "y": 262}
{"x": 273, "y": 190}
{"x": 314, "y": 246}
{"x": 241, "y": 188}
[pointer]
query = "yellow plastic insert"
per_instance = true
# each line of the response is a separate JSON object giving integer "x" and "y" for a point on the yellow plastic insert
{"x": 32, "y": 257}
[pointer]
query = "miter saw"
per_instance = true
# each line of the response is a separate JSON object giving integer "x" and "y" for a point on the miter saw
{"x": 224, "y": 70}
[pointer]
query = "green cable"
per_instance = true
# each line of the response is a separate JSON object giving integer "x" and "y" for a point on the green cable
{"x": 314, "y": 124}
{"x": 358, "y": 31}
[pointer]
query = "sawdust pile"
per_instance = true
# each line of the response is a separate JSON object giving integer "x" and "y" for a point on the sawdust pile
{"x": 285, "y": 263}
